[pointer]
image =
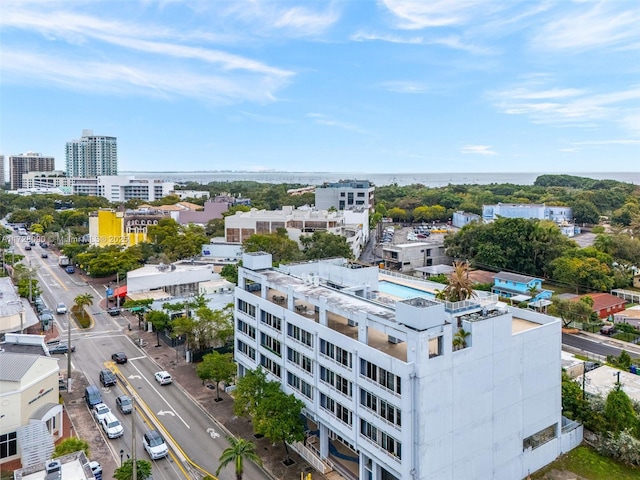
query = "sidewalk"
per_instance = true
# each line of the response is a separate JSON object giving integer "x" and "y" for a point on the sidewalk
{"x": 612, "y": 342}
{"x": 184, "y": 374}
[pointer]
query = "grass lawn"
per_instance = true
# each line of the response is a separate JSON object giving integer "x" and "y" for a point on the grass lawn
{"x": 587, "y": 463}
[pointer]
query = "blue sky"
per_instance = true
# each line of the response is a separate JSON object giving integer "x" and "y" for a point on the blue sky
{"x": 353, "y": 86}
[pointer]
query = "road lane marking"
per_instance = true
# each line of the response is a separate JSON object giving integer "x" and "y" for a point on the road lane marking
{"x": 134, "y": 376}
{"x": 166, "y": 412}
{"x": 138, "y": 358}
{"x": 212, "y": 433}
{"x": 160, "y": 395}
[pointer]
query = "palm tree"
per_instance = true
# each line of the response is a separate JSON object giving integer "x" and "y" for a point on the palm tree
{"x": 81, "y": 301}
{"x": 460, "y": 339}
{"x": 239, "y": 450}
{"x": 460, "y": 286}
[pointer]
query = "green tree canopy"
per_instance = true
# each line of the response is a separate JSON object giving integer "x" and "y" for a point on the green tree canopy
{"x": 281, "y": 248}
{"x": 71, "y": 445}
{"x": 325, "y": 245}
{"x": 619, "y": 413}
{"x": 217, "y": 367}
{"x": 125, "y": 472}
{"x": 238, "y": 451}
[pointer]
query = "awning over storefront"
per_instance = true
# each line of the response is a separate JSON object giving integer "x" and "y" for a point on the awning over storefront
{"x": 120, "y": 292}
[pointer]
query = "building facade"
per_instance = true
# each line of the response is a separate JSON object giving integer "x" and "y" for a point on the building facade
{"x": 3, "y": 178}
{"x": 346, "y": 194}
{"x": 25, "y": 163}
{"x": 383, "y": 384}
{"x": 92, "y": 156}
{"x": 29, "y": 398}
{"x": 561, "y": 216}
{"x": 122, "y": 227}
{"x": 352, "y": 224}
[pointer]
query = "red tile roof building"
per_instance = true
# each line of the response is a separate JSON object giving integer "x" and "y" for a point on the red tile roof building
{"x": 604, "y": 304}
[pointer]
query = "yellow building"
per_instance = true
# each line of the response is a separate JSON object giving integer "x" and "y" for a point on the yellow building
{"x": 126, "y": 228}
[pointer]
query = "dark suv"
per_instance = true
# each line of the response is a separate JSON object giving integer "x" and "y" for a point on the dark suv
{"x": 107, "y": 378}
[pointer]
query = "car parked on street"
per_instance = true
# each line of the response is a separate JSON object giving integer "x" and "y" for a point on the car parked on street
{"x": 60, "y": 349}
{"x": 107, "y": 378}
{"x": 100, "y": 411}
{"x": 113, "y": 311}
{"x": 124, "y": 404}
{"x": 119, "y": 357}
{"x": 155, "y": 445}
{"x": 112, "y": 426}
{"x": 163, "y": 378}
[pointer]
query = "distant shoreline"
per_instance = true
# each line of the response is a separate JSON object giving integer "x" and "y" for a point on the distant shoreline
{"x": 378, "y": 179}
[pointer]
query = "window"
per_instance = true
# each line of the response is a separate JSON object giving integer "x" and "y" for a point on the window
{"x": 246, "y": 329}
{"x": 382, "y": 408}
{"x": 271, "y": 320}
{"x": 338, "y": 410}
{"x": 247, "y": 308}
{"x": 382, "y": 439}
{"x": 299, "y": 334}
{"x": 8, "y": 445}
{"x": 543, "y": 436}
{"x": 299, "y": 359}
{"x": 379, "y": 375}
{"x": 270, "y": 343}
{"x": 337, "y": 381}
{"x": 338, "y": 354}
{"x": 270, "y": 365}
{"x": 247, "y": 350}
{"x": 297, "y": 383}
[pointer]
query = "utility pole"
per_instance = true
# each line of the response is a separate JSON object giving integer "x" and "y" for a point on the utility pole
{"x": 22, "y": 319}
{"x": 584, "y": 378}
{"x": 133, "y": 439}
{"x": 30, "y": 290}
{"x": 117, "y": 289}
{"x": 68, "y": 352}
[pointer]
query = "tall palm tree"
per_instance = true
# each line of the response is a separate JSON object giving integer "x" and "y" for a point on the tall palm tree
{"x": 81, "y": 301}
{"x": 239, "y": 450}
{"x": 460, "y": 286}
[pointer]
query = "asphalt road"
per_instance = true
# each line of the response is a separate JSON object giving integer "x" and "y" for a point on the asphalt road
{"x": 195, "y": 441}
{"x": 591, "y": 345}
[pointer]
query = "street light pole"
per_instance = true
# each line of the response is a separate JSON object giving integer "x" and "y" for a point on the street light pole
{"x": 133, "y": 439}
{"x": 68, "y": 352}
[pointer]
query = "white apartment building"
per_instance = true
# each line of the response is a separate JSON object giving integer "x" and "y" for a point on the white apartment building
{"x": 557, "y": 214}
{"x": 120, "y": 188}
{"x": 51, "y": 179}
{"x": 406, "y": 257}
{"x": 353, "y": 224}
{"x": 346, "y": 194}
{"x": 91, "y": 156}
{"x": 387, "y": 396}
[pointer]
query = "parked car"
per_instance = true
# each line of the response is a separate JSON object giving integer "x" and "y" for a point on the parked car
{"x": 61, "y": 308}
{"x": 608, "y": 330}
{"x": 70, "y": 269}
{"x": 107, "y": 378}
{"x": 61, "y": 348}
{"x": 113, "y": 311}
{"x": 32, "y": 243}
{"x": 44, "y": 244}
{"x": 27, "y": 247}
{"x": 119, "y": 357}
{"x": 112, "y": 426}
{"x": 155, "y": 445}
{"x": 124, "y": 404}
{"x": 100, "y": 411}
{"x": 163, "y": 378}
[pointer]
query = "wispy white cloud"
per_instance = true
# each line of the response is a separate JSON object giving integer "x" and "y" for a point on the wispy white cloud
{"x": 361, "y": 36}
{"x": 478, "y": 149}
{"x": 400, "y": 86}
{"x": 568, "y": 150}
{"x": 589, "y": 25}
{"x": 569, "y": 106}
{"x": 266, "y": 118}
{"x": 417, "y": 14}
{"x": 322, "y": 119}
{"x": 142, "y": 54}
{"x": 104, "y": 77}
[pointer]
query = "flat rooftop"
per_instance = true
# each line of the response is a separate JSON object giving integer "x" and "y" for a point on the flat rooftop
{"x": 602, "y": 380}
{"x": 161, "y": 269}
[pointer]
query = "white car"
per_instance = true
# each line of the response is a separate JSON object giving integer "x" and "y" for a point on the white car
{"x": 155, "y": 445}
{"x": 100, "y": 411}
{"x": 163, "y": 378}
{"x": 61, "y": 308}
{"x": 112, "y": 426}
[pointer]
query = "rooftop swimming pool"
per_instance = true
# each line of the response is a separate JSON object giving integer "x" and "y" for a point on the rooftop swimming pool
{"x": 402, "y": 291}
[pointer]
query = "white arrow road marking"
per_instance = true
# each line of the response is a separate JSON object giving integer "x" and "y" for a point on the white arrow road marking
{"x": 134, "y": 376}
{"x": 159, "y": 395}
{"x": 164, "y": 412}
{"x": 212, "y": 433}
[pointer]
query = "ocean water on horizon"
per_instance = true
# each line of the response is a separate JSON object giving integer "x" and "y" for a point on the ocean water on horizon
{"x": 379, "y": 179}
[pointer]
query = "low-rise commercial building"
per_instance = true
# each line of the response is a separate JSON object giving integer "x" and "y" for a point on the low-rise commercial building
{"x": 406, "y": 257}
{"x": 31, "y": 417}
{"x": 346, "y": 194}
{"x": 16, "y": 314}
{"x": 388, "y": 394}
{"x": 562, "y": 216}
{"x": 122, "y": 227}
